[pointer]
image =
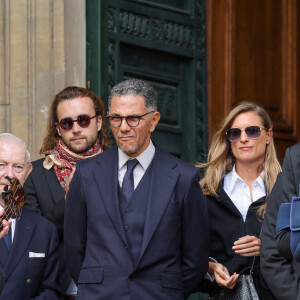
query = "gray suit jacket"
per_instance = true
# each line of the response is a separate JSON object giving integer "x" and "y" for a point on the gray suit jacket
{"x": 281, "y": 275}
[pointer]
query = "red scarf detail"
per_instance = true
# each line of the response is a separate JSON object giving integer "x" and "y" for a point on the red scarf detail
{"x": 62, "y": 159}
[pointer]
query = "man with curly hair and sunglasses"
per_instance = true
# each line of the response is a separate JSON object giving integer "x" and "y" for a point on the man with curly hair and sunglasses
{"x": 76, "y": 130}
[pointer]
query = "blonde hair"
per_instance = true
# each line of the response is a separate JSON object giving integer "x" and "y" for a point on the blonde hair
{"x": 221, "y": 160}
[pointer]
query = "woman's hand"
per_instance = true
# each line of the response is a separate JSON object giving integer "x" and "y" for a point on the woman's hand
{"x": 248, "y": 245}
{"x": 222, "y": 276}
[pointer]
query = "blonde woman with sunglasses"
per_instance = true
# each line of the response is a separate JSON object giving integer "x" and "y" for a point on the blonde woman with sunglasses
{"x": 240, "y": 172}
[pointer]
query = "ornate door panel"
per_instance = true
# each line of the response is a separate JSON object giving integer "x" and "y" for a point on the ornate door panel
{"x": 253, "y": 51}
{"x": 163, "y": 44}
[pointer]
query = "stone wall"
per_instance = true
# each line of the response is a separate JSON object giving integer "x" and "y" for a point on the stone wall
{"x": 38, "y": 58}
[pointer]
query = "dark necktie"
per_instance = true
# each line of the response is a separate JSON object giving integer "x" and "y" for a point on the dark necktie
{"x": 7, "y": 239}
{"x": 128, "y": 183}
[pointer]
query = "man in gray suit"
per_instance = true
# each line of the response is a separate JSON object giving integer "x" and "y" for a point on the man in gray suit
{"x": 282, "y": 275}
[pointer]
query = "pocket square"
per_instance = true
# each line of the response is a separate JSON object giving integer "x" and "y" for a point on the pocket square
{"x": 34, "y": 254}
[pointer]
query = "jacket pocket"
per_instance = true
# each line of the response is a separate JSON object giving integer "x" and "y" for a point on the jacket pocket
{"x": 172, "y": 280}
{"x": 36, "y": 261}
{"x": 91, "y": 275}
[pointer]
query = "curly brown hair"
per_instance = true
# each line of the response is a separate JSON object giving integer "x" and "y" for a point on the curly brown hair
{"x": 70, "y": 93}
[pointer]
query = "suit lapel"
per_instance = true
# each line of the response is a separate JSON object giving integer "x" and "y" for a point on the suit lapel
{"x": 162, "y": 184}
{"x": 226, "y": 201}
{"x": 106, "y": 178}
{"x": 4, "y": 253}
{"x": 23, "y": 233}
{"x": 55, "y": 189}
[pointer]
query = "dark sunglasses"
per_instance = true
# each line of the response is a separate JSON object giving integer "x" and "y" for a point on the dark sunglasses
{"x": 253, "y": 132}
{"x": 82, "y": 120}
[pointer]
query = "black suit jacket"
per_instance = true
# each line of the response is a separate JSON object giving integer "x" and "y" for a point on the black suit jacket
{"x": 31, "y": 267}
{"x": 227, "y": 226}
{"x": 282, "y": 275}
{"x": 46, "y": 197}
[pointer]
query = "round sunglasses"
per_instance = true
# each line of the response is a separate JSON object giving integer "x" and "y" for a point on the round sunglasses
{"x": 82, "y": 120}
{"x": 235, "y": 133}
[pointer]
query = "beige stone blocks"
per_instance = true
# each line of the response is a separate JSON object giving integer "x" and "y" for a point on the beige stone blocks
{"x": 33, "y": 62}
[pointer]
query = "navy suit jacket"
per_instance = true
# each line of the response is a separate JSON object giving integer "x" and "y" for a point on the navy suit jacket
{"x": 46, "y": 197}
{"x": 31, "y": 277}
{"x": 174, "y": 252}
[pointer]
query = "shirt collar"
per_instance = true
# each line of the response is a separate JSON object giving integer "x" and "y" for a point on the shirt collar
{"x": 233, "y": 178}
{"x": 144, "y": 158}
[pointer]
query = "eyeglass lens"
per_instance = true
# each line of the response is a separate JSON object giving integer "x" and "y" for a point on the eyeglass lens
{"x": 82, "y": 120}
{"x": 132, "y": 121}
{"x": 234, "y": 134}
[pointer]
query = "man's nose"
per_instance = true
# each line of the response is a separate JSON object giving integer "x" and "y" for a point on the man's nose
{"x": 9, "y": 171}
{"x": 124, "y": 126}
{"x": 76, "y": 127}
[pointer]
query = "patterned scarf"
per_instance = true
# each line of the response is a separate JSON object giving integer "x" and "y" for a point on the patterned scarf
{"x": 62, "y": 160}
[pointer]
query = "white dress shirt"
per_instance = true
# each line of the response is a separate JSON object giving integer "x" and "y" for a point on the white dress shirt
{"x": 239, "y": 192}
{"x": 144, "y": 160}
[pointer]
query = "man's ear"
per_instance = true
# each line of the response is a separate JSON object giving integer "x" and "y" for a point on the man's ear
{"x": 29, "y": 170}
{"x": 99, "y": 123}
{"x": 58, "y": 129}
{"x": 155, "y": 119}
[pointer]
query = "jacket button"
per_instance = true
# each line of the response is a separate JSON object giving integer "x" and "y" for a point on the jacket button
{"x": 131, "y": 277}
{"x": 28, "y": 281}
{"x": 127, "y": 210}
{"x": 126, "y": 228}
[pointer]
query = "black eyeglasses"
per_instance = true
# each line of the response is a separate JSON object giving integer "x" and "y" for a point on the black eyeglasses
{"x": 253, "y": 132}
{"x": 132, "y": 121}
{"x": 82, "y": 120}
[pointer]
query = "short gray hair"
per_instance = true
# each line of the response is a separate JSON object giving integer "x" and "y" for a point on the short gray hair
{"x": 10, "y": 137}
{"x": 135, "y": 87}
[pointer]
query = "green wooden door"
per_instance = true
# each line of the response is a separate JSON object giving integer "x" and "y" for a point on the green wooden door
{"x": 162, "y": 42}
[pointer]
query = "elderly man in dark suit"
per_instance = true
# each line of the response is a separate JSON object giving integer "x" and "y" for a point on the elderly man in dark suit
{"x": 29, "y": 258}
{"x": 136, "y": 222}
{"x": 282, "y": 275}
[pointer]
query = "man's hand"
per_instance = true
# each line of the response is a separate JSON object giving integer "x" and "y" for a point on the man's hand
{"x": 6, "y": 225}
{"x": 222, "y": 276}
{"x": 248, "y": 245}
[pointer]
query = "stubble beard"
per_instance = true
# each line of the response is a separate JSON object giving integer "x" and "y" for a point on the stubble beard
{"x": 83, "y": 147}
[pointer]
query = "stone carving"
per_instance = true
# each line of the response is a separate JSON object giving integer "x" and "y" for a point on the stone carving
{"x": 168, "y": 104}
{"x": 111, "y": 19}
{"x": 135, "y": 24}
{"x": 201, "y": 113}
{"x": 155, "y": 29}
{"x": 111, "y": 65}
{"x": 149, "y": 28}
{"x": 178, "y": 34}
